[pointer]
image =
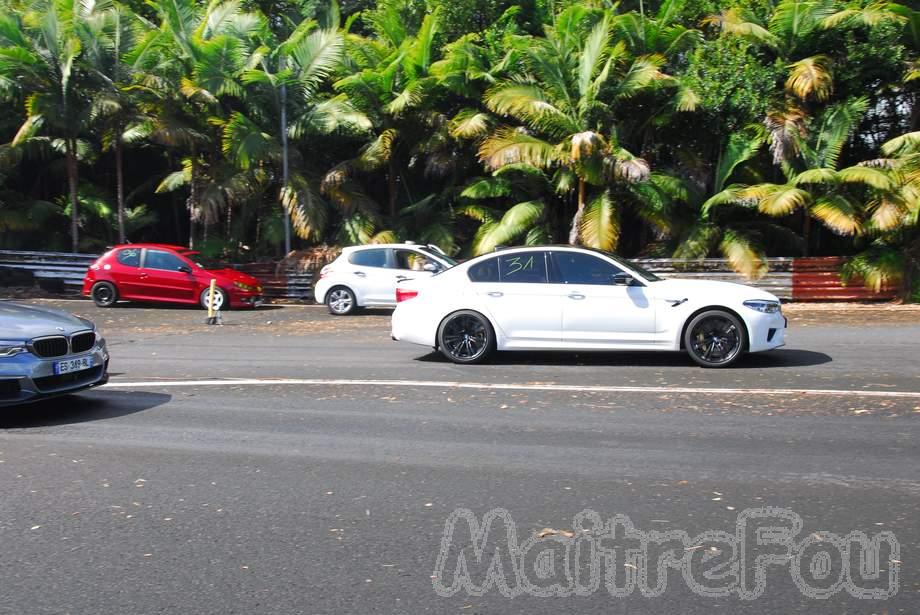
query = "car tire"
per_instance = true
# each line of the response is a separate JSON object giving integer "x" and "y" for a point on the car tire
{"x": 466, "y": 337}
{"x": 104, "y": 294}
{"x": 341, "y": 301}
{"x": 220, "y": 299}
{"x": 715, "y": 338}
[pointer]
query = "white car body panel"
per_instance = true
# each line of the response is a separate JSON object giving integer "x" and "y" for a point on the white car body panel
{"x": 649, "y": 317}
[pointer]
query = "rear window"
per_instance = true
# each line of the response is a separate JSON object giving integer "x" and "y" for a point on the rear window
{"x": 369, "y": 258}
{"x": 129, "y": 257}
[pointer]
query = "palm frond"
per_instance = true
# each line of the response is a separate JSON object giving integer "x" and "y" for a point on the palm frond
{"x": 811, "y": 77}
{"x": 600, "y": 225}
{"x": 742, "y": 255}
{"x": 511, "y": 146}
{"x": 837, "y": 213}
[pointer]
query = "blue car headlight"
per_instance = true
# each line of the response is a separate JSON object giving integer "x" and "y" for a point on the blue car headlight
{"x": 763, "y": 305}
{"x": 11, "y": 349}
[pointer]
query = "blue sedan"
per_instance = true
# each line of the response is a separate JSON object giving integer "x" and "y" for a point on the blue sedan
{"x": 45, "y": 352}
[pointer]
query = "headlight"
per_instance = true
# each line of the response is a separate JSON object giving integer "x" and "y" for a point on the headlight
{"x": 11, "y": 349}
{"x": 100, "y": 341}
{"x": 762, "y": 305}
{"x": 245, "y": 287}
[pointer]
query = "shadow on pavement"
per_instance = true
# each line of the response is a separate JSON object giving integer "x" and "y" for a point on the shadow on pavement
{"x": 769, "y": 359}
{"x": 80, "y": 408}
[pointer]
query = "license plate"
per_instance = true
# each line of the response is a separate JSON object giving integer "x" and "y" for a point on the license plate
{"x": 73, "y": 365}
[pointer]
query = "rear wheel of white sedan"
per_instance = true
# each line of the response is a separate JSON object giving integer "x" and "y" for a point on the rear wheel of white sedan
{"x": 466, "y": 337}
{"x": 341, "y": 301}
{"x": 714, "y": 338}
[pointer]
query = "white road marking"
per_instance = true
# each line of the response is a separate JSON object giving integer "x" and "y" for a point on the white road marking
{"x": 441, "y": 384}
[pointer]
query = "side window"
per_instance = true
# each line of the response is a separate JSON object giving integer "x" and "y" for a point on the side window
{"x": 414, "y": 261}
{"x": 486, "y": 271}
{"x": 578, "y": 268}
{"x": 369, "y": 258}
{"x": 129, "y": 257}
{"x": 526, "y": 267}
{"x": 157, "y": 259}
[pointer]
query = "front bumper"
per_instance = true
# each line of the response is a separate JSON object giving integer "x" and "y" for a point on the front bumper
{"x": 241, "y": 298}
{"x": 767, "y": 331}
{"x": 26, "y": 378}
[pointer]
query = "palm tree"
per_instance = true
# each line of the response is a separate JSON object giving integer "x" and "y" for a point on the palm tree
{"x": 41, "y": 51}
{"x": 191, "y": 65}
{"x": 892, "y": 219}
{"x": 562, "y": 90}
{"x": 302, "y": 64}
{"x": 110, "y": 34}
{"x": 813, "y": 181}
{"x": 393, "y": 86}
{"x": 527, "y": 188}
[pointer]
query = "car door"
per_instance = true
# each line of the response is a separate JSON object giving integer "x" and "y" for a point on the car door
{"x": 514, "y": 288}
{"x": 371, "y": 277}
{"x": 161, "y": 277}
{"x": 595, "y": 311}
{"x": 126, "y": 272}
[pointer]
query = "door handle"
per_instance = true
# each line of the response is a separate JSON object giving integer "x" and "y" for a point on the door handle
{"x": 402, "y": 277}
{"x": 142, "y": 276}
{"x": 676, "y": 302}
{"x": 496, "y": 293}
{"x": 360, "y": 274}
{"x": 577, "y": 296}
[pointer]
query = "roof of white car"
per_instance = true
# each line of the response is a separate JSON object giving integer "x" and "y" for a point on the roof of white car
{"x": 371, "y": 246}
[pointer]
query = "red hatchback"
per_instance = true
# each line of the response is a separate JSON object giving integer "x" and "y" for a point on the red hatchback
{"x": 160, "y": 272}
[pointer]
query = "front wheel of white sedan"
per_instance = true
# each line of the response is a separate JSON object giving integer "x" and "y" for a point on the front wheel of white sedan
{"x": 466, "y": 337}
{"x": 714, "y": 338}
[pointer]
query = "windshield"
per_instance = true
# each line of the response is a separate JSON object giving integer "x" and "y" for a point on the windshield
{"x": 438, "y": 255}
{"x": 204, "y": 262}
{"x": 645, "y": 273}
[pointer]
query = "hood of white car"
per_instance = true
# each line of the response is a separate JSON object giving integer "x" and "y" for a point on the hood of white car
{"x": 714, "y": 290}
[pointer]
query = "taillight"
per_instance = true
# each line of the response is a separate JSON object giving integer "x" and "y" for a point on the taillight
{"x": 403, "y": 294}
{"x": 324, "y": 272}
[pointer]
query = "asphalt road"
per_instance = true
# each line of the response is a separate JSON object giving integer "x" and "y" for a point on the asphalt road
{"x": 290, "y": 462}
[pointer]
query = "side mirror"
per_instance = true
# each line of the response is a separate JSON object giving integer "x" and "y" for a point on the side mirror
{"x": 622, "y": 279}
{"x": 184, "y": 268}
{"x": 430, "y": 267}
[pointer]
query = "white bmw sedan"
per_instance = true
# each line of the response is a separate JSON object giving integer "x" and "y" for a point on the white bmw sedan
{"x": 568, "y": 298}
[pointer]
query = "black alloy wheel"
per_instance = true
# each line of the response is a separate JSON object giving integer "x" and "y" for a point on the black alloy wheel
{"x": 466, "y": 337}
{"x": 715, "y": 339}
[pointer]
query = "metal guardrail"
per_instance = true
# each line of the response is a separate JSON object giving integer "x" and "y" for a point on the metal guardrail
{"x": 791, "y": 279}
{"x": 55, "y": 271}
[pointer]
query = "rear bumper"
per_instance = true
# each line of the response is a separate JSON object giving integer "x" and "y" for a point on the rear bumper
{"x": 26, "y": 378}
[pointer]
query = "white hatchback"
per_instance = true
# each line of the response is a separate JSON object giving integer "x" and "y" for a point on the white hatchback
{"x": 567, "y": 298}
{"x": 366, "y": 276}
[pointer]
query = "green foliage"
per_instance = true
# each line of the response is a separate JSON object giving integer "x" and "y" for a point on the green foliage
{"x": 691, "y": 128}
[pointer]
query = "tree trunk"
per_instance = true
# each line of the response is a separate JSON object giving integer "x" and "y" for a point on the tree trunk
{"x": 576, "y": 221}
{"x": 72, "y": 179}
{"x": 391, "y": 185}
{"x": 120, "y": 187}
{"x": 806, "y": 231}
{"x": 192, "y": 202}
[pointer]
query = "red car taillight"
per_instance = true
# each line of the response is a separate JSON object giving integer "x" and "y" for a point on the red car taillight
{"x": 403, "y": 294}
{"x": 324, "y": 272}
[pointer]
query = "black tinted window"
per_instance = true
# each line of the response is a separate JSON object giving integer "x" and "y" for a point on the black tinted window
{"x": 486, "y": 271}
{"x": 578, "y": 268}
{"x": 130, "y": 257}
{"x": 369, "y": 258}
{"x": 527, "y": 267}
{"x": 157, "y": 259}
